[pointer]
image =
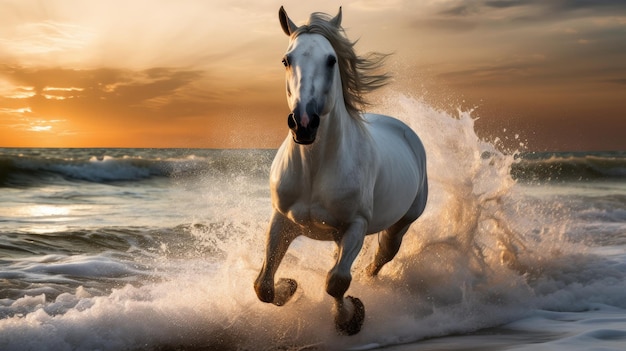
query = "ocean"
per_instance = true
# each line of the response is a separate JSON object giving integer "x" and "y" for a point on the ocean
{"x": 157, "y": 249}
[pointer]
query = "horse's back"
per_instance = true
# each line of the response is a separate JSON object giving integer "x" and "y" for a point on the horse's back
{"x": 381, "y": 125}
{"x": 401, "y": 185}
{"x": 392, "y": 134}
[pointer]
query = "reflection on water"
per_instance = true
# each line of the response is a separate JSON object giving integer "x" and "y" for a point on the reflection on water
{"x": 52, "y": 212}
{"x": 45, "y": 218}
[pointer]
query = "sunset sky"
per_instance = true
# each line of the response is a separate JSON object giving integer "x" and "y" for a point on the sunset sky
{"x": 164, "y": 73}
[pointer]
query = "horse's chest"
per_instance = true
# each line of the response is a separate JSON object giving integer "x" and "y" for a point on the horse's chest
{"x": 318, "y": 204}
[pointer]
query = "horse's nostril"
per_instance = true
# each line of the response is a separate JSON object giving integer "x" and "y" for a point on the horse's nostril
{"x": 291, "y": 121}
{"x": 315, "y": 121}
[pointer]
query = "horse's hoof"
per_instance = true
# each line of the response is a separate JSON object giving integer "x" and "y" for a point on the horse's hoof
{"x": 284, "y": 290}
{"x": 354, "y": 324}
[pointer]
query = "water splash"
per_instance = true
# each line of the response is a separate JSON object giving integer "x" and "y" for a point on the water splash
{"x": 483, "y": 254}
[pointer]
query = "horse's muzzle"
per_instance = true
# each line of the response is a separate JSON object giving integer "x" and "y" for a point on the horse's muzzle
{"x": 301, "y": 134}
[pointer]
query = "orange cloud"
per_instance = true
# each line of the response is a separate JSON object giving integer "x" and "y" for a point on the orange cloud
{"x": 122, "y": 107}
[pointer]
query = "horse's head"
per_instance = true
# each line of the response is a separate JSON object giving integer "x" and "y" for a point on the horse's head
{"x": 311, "y": 71}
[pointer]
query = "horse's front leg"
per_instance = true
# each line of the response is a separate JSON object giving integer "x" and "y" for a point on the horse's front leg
{"x": 349, "y": 311}
{"x": 280, "y": 234}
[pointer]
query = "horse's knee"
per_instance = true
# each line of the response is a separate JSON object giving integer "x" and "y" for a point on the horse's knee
{"x": 337, "y": 283}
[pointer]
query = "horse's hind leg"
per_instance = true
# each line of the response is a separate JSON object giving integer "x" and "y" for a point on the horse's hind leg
{"x": 388, "y": 245}
{"x": 280, "y": 235}
{"x": 390, "y": 240}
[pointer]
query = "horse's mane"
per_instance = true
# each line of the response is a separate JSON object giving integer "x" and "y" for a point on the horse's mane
{"x": 358, "y": 76}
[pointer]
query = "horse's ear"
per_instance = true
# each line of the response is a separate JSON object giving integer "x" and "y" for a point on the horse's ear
{"x": 288, "y": 26}
{"x": 337, "y": 20}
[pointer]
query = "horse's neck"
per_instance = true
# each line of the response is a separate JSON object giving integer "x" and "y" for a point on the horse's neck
{"x": 336, "y": 138}
{"x": 338, "y": 135}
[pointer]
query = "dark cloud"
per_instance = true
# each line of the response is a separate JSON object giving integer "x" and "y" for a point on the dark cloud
{"x": 510, "y": 73}
{"x": 620, "y": 81}
{"x": 464, "y": 9}
{"x": 506, "y": 3}
{"x": 534, "y": 10}
{"x": 568, "y": 5}
{"x": 449, "y": 25}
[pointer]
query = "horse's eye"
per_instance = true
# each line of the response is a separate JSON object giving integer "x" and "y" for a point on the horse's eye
{"x": 331, "y": 60}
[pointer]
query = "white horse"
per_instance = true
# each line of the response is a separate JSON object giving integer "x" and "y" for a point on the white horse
{"x": 341, "y": 174}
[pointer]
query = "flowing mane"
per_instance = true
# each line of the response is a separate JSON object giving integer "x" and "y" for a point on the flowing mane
{"x": 358, "y": 76}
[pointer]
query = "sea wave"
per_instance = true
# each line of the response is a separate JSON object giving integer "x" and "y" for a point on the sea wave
{"x": 97, "y": 259}
{"x": 570, "y": 166}
{"x": 18, "y": 168}
{"x": 95, "y": 165}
